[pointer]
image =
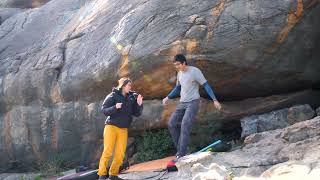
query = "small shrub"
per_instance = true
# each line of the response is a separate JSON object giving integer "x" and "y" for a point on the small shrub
{"x": 211, "y": 130}
{"x": 37, "y": 178}
{"x": 53, "y": 166}
{"x": 153, "y": 145}
{"x": 202, "y": 135}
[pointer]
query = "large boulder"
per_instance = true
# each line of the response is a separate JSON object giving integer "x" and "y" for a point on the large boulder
{"x": 58, "y": 61}
{"x": 5, "y": 13}
{"x": 290, "y": 152}
{"x": 155, "y": 115}
{"x": 74, "y": 130}
{"x": 276, "y": 119}
{"x": 22, "y": 3}
{"x": 248, "y": 48}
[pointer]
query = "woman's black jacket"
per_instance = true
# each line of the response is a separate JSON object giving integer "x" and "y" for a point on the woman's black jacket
{"x": 122, "y": 117}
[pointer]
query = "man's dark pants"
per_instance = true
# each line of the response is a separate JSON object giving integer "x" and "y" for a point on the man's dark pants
{"x": 184, "y": 115}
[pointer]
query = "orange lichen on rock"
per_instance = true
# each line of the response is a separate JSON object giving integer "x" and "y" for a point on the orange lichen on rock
{"x": 216, "y": 11}
{"x": 7, "y": 133}
{"x": 160, "y": 74}
{"x": 124, "y": 65}
{"x": 292, "y": 19}
{"x": 191, "y": 45}
{"x": 124, "y": 69}
{"x": 56, "y": 94}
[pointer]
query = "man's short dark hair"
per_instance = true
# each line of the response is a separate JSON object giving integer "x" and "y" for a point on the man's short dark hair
{"x": 181, "y": 58}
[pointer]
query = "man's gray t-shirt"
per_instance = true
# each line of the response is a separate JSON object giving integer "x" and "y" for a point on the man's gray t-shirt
{"x": 190, "y": 81}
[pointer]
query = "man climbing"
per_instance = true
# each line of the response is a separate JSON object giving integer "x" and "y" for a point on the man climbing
{"x": 187, "y": 86}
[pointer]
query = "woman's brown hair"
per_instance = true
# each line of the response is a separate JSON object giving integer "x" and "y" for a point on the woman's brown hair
{"x": 122, "y": 82}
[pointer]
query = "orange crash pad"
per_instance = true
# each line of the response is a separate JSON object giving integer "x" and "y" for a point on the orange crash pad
{"x": 150, "y": 165}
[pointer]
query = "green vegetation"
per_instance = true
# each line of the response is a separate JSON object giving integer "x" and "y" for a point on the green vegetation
{"x": 154, "y": 144}
{"x": 211, "y": 130}
{"x": 53, "y": 166}
{"x": 37, "y": 177}
{"x": 203, "y": 135}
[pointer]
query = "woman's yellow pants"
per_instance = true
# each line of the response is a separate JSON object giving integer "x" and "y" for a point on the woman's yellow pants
{"x": 114, "y": 138}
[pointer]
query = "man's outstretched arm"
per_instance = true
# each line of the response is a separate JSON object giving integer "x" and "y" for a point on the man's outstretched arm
{"x": 173, "y": 94}
{"x": 210, "y": 92}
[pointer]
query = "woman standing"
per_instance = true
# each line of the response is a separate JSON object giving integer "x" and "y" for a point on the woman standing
{"x": 119, "y": 107}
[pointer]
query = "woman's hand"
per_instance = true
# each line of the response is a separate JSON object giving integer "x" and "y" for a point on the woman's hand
{"x": 139, "y": 100}
{"x": 118, "y": 105}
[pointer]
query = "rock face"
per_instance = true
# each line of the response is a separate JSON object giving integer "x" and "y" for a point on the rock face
{"x": 58, "y": 61}
{"x": 29, "y": 176}
{"x": 282, "y": 153}
{"x": 22, "y": 4}
{"x": 199, "y": 172}
{"x": 155, "y": 115}
{"x": 276, "y": 119}
{"x": 318, "y": 111}
{"x": 5, "y": 13}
